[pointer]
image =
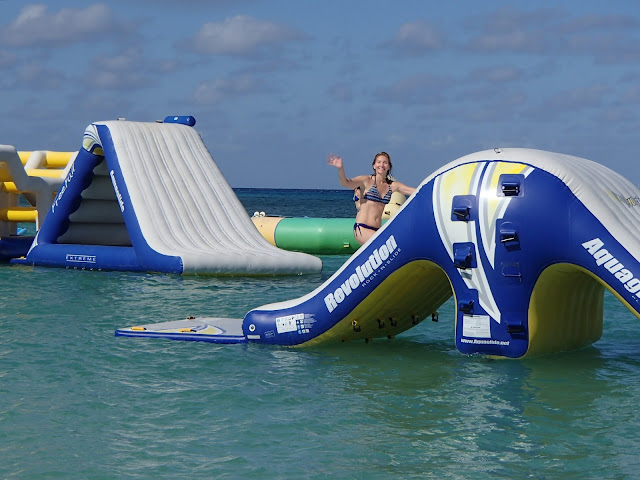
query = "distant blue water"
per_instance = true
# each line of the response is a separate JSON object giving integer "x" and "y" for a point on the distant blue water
{"x": 298, "y": 203}
{"x": 77, "y": 402}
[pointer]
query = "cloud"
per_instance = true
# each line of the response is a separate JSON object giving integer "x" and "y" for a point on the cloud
{"x": 600, "y": 22}
{"x": 416, "y": 38}
{"x": 241, "y": 36}
{"x": 422, "y": 88}
{"x": 35, "y": 26}
{"x": 500, "y": 74}
{"x": 570, "y": 102}
{"x": 180, "y": 5}
{"x": 612, "y": 48}
{"x": 130, "y": 68}
{"x": 508, "y": 29}
{"x": 617, "y": 116}
{"x": 105, "y": 104}
{"x": 117, "y": 81}
{"x": 606, "y": 38}
{"x": 7, "y": 59}
{"x": 631, "y": 95}
{"x": 36, "y": 76}
{"x": 341, "y": 92}
{"x": 579, "y": 98}
{"x": 217, "y": 90}
{"x": 509, "y": 18}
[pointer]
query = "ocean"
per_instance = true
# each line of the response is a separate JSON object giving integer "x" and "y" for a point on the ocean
{"x": 76, "y": 402}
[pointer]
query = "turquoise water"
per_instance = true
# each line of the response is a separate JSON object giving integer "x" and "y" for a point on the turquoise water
{"x": 77, "y": 402}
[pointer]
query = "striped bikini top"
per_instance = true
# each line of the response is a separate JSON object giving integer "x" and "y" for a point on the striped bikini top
{"x": 373, "y": 195}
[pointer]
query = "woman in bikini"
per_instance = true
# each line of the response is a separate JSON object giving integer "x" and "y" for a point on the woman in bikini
{"x": 377, "y": 188}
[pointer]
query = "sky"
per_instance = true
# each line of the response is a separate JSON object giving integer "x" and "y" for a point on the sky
{"x": 277, "y": 85}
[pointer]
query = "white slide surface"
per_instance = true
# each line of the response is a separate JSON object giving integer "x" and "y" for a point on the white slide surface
{"x": 184, "y": 205}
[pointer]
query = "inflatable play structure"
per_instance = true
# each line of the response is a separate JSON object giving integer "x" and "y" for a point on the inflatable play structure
{"x": 34, "y": 176}
{"x": 525, "y": 240}
{"x": 318, "y": 236}
{"x": 148, "y": 197}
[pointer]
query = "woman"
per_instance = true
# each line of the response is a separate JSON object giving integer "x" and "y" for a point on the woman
{"x": 377, "y": 188}
{"x": 357, "y": 193}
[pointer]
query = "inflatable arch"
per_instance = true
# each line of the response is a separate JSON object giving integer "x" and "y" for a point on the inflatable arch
{"x": 525, "y": 240}
{"x": 148, "y": 197}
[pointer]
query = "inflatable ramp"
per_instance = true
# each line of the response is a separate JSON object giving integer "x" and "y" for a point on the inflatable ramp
{"x": 148, "y": 197}
{"x": 525, "y": 240}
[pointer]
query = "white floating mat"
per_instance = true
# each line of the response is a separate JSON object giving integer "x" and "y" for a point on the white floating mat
{"x": 195, "y": 329}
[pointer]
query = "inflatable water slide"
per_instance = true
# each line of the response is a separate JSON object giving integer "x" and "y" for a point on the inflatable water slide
{"x": 148, "y": 197}
{"x": 526, "y": 241}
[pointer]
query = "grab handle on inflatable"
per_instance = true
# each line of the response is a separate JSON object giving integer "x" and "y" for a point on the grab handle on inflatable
{"x": 509, "y": 236}
{"x": 461, "y": 211}
{"x": 463, "y": 255}
{"x": 514, "y": 327}
{"x": 461, "y": 208}
{"x": 183, "y": 119}
{"x": 511, "y": 270}
{"x": 466, "y": 306}
{"x": 511, "y": 185}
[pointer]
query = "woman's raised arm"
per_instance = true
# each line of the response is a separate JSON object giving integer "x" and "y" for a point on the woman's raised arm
{"x": 336, "y": 161}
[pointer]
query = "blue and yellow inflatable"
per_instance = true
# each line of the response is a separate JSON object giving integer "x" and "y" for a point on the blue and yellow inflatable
{"x": 525, "y": 240}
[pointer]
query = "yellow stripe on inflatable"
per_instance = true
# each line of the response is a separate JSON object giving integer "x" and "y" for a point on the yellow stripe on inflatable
{"x": 42, "y": 172}
{"x": 18, "y": 214}
{"x": 458, "y": 180}
{"x": 405, "y": 298}
{"x": 5, "y": 175}
{"x": 58, "y": 159}
{"x": 24, "y": 156}
{"x": 7, "y": 179}
{"x": 10, "y": 187}
{"x": 52, "y": 159}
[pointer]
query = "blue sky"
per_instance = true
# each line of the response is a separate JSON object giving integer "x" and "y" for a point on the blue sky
{"x": 277, "y": 85}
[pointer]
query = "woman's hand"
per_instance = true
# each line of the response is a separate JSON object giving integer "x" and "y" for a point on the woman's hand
{"x": 335, "y": 160}
{"x": 354, "y": 182}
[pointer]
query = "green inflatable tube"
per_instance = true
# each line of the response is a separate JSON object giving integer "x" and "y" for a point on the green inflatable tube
{"x": 320, "y": 236}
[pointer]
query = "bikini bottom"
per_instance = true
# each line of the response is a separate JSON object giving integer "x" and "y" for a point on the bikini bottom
{"x": 358, "y": 226}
